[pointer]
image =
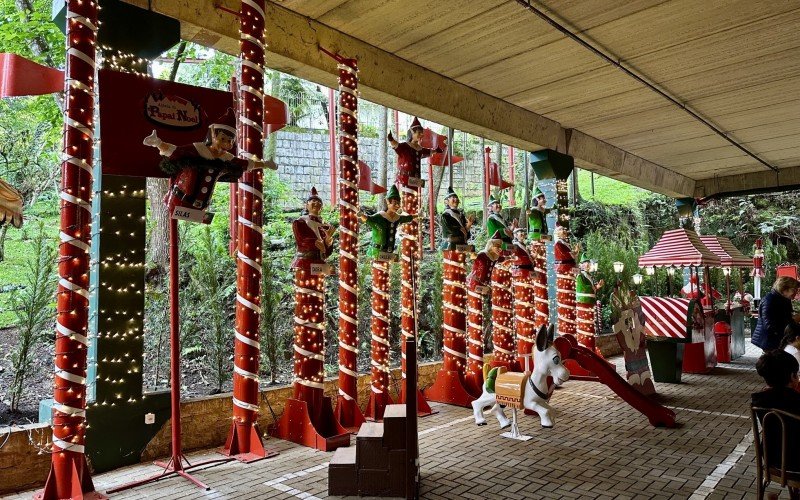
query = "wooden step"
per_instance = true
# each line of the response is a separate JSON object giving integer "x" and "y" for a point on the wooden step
{"x": 394, "y": 427}
{"x": 343, "y": 472}
{"x": 369, "y": 447}
{"x": 373, "y": 482}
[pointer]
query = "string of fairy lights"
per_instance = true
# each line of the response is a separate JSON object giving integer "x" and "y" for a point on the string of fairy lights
{"x": 380, "y": 347}
{"x": 524, "y": 313}
{"x": 348, "y": 228}
{"x": 409, "y": 257}
{"x": 541, "y": 299}
{"x": 474, "y": 375}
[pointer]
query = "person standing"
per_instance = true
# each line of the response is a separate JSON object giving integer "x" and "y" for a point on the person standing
{"x": 775, "y": 314}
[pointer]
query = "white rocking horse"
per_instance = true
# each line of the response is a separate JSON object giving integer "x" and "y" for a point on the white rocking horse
{"x": 523, "y": 390}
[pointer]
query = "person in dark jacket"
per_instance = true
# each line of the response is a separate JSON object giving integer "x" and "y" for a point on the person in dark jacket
{"x": 779, "y": 370}
{"x": 775, "y": 314}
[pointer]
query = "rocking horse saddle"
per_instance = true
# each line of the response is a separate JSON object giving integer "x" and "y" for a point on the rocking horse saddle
{"x": 510, "y": 388}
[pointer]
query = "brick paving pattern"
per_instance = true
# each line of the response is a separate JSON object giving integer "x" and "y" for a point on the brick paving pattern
{"x": 600, "y": 448}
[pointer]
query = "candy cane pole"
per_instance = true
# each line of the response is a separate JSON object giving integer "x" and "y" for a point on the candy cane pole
{"x": 244, "y": 439}
{"x": 541, "y": 295}
{"x": 502, "y": 316}
{"x": 524, "y": 316}
{"x": 565, "y": 298}
{"x": 474, "y": 376}
{"x": 69, "y": 473}
{"x": 449, "y": 386}
{"x": 379, "y": 346}
{"x": 347, "y": 410}
{"x": 409, "y": 255}
{"x": 309, "y": 338}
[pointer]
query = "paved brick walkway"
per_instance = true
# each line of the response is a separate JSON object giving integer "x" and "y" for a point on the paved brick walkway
{"x": 599, "y": 449}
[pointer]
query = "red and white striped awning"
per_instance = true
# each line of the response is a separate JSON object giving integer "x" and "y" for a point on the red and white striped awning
{"x": 679, "y": 247}
{"x": 728, "y": 254}
{"x": 668, "y": 317}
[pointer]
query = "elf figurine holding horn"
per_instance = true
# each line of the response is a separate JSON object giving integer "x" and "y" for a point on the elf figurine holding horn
{"x": 455, "y": 225}
{"x": 384, "y": 225}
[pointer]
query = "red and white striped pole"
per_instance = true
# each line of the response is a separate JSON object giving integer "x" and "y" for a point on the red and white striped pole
{"x": 244, "y": 439}
{"x": 379, "y": 345}
{"x": 347, "y": 411}
{"x": 69, "y": 473}
{"x": 541, "y": 293}
{"x": 524, "y": 316}
{"x": 502, "y": 316}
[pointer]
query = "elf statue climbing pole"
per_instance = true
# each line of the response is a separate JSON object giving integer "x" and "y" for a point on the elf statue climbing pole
{"x": 478, "y": 287}
{"x": 502, "y": 293}
{"x": 449, "y": 386}
{"x": 409, "y": 156}
{"x": 523, "y": 276}
{"x": 384, "y": 227}
{"x": 538, "y": 234}
{"x": 308, "y": 416}
{"x": 69, "y": 472}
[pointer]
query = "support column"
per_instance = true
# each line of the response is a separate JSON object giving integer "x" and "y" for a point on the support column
{"x": 449, "y": 386}
{"x": 69, "y": 475}
{"x": 347, "y": 411}
{"x": 473, "y": 379}
{"x": 379, "y": 346}
{"x": 410, "y": 255}
{"x": 244, "y": 438}
{"x": 541, "y": 294}
{"x": 502, "y": 316}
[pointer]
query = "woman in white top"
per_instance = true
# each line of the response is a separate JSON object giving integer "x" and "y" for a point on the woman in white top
{"x": 791, "y": 340}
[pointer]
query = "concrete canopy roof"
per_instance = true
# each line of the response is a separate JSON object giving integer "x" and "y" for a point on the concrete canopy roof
{"x": 493, "y": 68}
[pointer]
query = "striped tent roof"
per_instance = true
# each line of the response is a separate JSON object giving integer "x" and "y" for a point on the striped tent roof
{"x": 728, "y": 254}
{"x": 668, "y": 317}
{"x": 679, "y": 247}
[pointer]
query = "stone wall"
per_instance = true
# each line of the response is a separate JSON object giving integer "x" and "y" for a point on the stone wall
{"x": 303, "y": 160}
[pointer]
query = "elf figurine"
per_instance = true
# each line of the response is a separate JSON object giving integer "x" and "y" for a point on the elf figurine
{"x": 586, "y": 300}
{"x": 195, "y": 168}
{"x": 537, "y": 217}
{"x": 384, "y": 226}
{"x": 455, "y": 225}
{"x": 496, "y": 222}
{"x": 481, "y": 276}
{"x": 523, "y": 260}
{"x": 313, "y": 237}
{"x": 410, "y": 155}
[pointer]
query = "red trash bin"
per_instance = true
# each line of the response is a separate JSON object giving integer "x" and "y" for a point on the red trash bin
{"x": 722, "y": 334}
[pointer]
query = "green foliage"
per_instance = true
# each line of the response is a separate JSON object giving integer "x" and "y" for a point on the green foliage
{"x": 608, "y": 190}
{"x": 276, "y": 314}
{"x": 18, "y": 28}
{"x": 213, "y": 287}
{"x": 431, "y": 314}
{"x": 33, "y": 308}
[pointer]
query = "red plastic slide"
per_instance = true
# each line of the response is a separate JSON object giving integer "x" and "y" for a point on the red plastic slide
{"x": 655, "y": 413}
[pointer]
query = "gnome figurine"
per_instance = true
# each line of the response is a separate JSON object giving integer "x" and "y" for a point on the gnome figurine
{"x": 497, "y": 223}
{"x": 195, "y": 168}
{"x": 537, "y": 217}
{"x": 455, "y": 225}
{"x": 410, "y": 155}
{"x": 314, "y": 238}
{"x": 384, "y": 226}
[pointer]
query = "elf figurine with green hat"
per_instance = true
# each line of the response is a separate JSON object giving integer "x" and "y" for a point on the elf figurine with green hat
{"x": 455, "y": 225}
{"x": 497, "y": 222}
{"x": 384, "y": 225}
{"x": 537, "y": 217}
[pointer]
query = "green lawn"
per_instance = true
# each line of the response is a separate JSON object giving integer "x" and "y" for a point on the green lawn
{"x": 608, "y": 190}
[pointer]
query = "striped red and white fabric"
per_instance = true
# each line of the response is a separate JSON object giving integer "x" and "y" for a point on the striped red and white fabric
{"x": 728, "y": 254}
{"x": 666, "y": 317}
{"x": 679, "y": 247}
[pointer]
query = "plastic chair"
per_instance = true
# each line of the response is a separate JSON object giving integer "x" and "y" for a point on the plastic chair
{"x": 771, "y": 465}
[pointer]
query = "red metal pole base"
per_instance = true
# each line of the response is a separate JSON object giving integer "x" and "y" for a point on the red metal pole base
{"x": 324, "y": 432}
{"x": 80, "y": 484}
{"x": 376, "y": 405}
{"x": 171, "y": 470}
{"x": 349, "y": 414}
{"x": 252, "y": 442}
{"x": 449, "y": 388}
{"x": 423, "y": 408}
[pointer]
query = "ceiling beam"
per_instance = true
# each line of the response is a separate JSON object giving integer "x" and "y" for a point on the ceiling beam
{"x": 384, "y": 78}
{"x": 784, "y": 179}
